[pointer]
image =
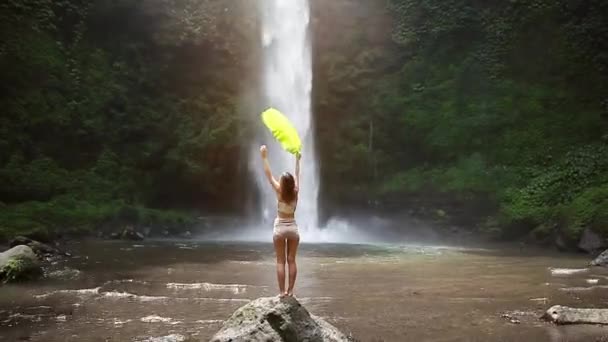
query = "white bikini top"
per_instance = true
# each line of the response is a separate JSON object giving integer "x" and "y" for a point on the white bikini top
{"x": 287, "y": 208}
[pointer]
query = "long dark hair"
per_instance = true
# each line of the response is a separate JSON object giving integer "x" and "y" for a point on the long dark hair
{"x": 288, "y": 188}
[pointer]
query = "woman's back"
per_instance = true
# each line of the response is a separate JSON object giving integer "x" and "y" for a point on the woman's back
{"x": 286, "y": 210}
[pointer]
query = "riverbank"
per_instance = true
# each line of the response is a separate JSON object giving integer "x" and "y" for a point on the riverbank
{"x": 426, "y": 224}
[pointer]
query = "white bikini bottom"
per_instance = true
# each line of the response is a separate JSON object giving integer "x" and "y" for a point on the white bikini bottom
{"x": 285, "y": 228}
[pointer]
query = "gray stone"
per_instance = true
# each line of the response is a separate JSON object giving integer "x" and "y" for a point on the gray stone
{"x": 19, "y": 263}
{"x": 39, "y": 248}
{"x": 276, "y": 319}
{"x": 565, "y": 315}
{"x": 130, "y": 234}
{"x": 591, "y": 242}
{"x": 601, "y": 260}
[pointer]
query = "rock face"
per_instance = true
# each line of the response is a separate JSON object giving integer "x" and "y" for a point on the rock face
{"x": 601, "y": 260}
{"x": 565, "y": 315}
{"x": 19, "y": 263}
{"x": 591, "y": 242}
{"x": 276, "y": 319}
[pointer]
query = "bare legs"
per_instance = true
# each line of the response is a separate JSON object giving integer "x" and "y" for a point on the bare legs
{"x": 292, "y": 249}
{"x": 281, "y": 246}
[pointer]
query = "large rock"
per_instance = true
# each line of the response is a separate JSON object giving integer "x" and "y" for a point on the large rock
{"x": 41, "y": 249}
{"x": 276, "y": 319}
{"x": 564, "y": 315}
{"x": 601, "y": 260}
{"x": 19, "y": 263}
{"x": 130, "y": 234}
{"x": 591, "y": 242}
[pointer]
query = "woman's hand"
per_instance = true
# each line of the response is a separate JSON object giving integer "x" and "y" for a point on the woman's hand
{"x": 264, "y": 151}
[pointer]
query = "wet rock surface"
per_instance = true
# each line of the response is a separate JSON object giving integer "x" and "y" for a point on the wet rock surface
{"x": 601, "y": 260}
{"x": 19, "y": 263}
{"x": 276, "y": 319}
{"x": 566, "y": 315}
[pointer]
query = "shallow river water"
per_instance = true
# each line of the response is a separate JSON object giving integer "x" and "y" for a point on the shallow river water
{"x": 134, "y": 292}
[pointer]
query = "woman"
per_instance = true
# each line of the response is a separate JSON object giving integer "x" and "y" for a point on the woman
{"x": 286, "y": 237}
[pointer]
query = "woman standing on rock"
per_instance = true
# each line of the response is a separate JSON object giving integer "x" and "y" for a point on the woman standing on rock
{"x": 286, "y": 237}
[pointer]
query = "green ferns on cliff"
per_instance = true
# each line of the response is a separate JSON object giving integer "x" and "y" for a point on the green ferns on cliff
{"x": 114, "y": 104}
{"x": 505, "y": 100}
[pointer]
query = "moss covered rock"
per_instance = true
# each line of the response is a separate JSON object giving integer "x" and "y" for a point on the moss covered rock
{"x": 19, "y": 263}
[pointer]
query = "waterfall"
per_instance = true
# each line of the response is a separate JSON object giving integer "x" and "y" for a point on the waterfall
{"x": 287, "y": 85}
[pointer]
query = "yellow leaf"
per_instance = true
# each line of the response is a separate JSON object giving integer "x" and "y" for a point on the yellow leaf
{"x": 282, "y": 129}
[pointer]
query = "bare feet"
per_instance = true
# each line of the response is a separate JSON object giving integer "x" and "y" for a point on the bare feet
{"x": 283, "y": 294}
{"x": 289, "y": 293}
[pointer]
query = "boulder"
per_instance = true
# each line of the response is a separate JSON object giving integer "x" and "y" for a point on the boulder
{"x": 565, "y": 315}
{"x": 591, "y": 242}
{"x": 276, "y": 319}
{"x": 130, "y": 234}
{"x": 601, "y": 260}
{"x": 39, "y": 248}
{"x": 19, "y": 263}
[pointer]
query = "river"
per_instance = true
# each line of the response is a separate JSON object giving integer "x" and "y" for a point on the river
{"x": 132, "y": 292}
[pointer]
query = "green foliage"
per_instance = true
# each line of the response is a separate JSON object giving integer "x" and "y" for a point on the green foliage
{"x": 18, "y": 269}
{"x": 150, "y": 217}
{"x": 489, "y": 100}
{"x": 113, "y": 108}
{"x": 109, "y": 104}
{"x": 413, "y": 180}
{"x": 570, "y": 188}
{"x": 589, "y": 209}
{"x": 66, "y": 214}
{"x": 60, "y": 215}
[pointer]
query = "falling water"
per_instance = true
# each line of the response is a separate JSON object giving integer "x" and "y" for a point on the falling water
{"x": 287, "y": 77}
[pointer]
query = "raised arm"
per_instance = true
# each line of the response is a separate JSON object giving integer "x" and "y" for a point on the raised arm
{"x": 267, "y": 171}
{"x": 298, "y": 156}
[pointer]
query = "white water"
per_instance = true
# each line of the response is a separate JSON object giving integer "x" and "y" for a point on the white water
{"x": 287, "y": 77}
{"x": 287, "y": 86}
